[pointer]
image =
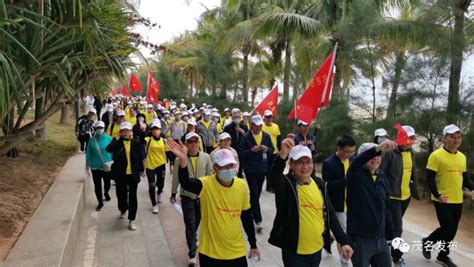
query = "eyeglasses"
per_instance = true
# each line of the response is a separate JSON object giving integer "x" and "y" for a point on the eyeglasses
{"x": 303, "y": 162}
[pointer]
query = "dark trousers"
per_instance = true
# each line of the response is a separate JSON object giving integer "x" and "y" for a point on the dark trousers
{"x": 370, "y": 251}
{"x": 156, "y": 178}
{"x": 398, "y": 210}
{"x": 126, "y": 190}
{"x": 270, "y": 163}
{"x": 209, "y": 149}
{"x": 192, "y": 217}
{"x": 169, "y": 156}
{"x": 97, "y": 176}
{"x": 206, "y": 261}
{"x": 448, "y": 218}
{"x": 291, "y": 259}
{"x": 83, "y": 139}
{"x": 255, "y": 182}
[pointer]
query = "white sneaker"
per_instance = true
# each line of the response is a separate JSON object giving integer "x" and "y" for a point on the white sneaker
{"x": 159, "y": 198}
{"x": 259, "y": 227}
{"x": 122, "y": 215}
{"x": 192, "y": 261}
{"x": 155, "y": 209}
{"x": 132, "y": 226}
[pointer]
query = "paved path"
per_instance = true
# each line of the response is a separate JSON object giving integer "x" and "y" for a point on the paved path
{"x": 160, "y": 241}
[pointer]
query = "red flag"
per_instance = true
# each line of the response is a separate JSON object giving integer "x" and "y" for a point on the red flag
{"x": 402, "y": 137}
{"x": 270, "y": 102}
{"x": 135, "y": 84}
{"x": 153, "y": 89}
{"x": 307, "y": 106}
{"x": 124, "y": 91}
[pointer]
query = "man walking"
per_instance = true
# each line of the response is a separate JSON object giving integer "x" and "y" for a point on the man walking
{"x": 200, "y": 166}
{"x": 446, "y": 177}
{"x": 85, "y": 128}
{"x": 256, "y": 148}
{"x": 273, "y": 130}
{"x": 207, "y": 129}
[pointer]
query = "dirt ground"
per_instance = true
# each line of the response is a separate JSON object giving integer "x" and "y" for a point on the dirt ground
{"x": 26, "y": 179}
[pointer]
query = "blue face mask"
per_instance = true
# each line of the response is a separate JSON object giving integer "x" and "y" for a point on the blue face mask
{"x": 227, "y": 175}
{"x": 100, "y": 132}
{"x": 141, "y": 119}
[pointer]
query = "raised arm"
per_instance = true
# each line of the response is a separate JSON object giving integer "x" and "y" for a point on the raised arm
{"x": 191, "y": 185}
{"x": 276, "y": 171}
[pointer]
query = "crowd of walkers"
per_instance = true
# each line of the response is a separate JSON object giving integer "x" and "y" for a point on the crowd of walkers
{"x": 219, "y": 165}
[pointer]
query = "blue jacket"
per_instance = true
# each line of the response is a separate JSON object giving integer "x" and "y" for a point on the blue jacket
{"x": 333, "y": 174}
{"x": 92, "y": 154}
{"x": 368, "y": 204}
{"x": 253, "y": 162}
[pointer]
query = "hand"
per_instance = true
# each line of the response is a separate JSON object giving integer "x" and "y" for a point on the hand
{"x": 286, "y": 145}
{"x": 239, "y": 130}
{"x": 346, "y": 252}
{"x": 254, "y": 253}
{"x": 173, "y": 199}
{"x": 179, "y": 150}
{"x": 88, "y": 168}
{"x": 290, "y": 135}
{"x": 255, "y": 149}
{"x": 385, "y": 146}
{"x": 263, "y": 148}
{"x": 443, "y": 199}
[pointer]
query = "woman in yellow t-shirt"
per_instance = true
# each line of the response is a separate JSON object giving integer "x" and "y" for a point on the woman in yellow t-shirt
{"x": 155, "y": 147}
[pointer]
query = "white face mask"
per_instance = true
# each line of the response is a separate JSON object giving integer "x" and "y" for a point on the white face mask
{"x": 227, "y": 175}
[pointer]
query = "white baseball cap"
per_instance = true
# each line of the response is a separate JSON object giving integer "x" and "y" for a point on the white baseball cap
{"x": 257, "y": 120}
{"x": 380, "y": 132}
{"x": 300, "y": 151}
{"x": 216, "y": 114}
{"x": 150, "y": 105}
{"x": 93, "y": 110}
{"x": 156, "y": 124}
{"x": 268, "y": 113}
{"x": 226, "y": 109}
{"x": 409, "y": 130}
{"x": 98, "y": 124}
{"x": 450, "y": 129}
{"x": 300, "y": 122}
{"x": 223, "y": 136}
{"x": 365, "y": 146}
{"x": 191, "y": 122}
{"x": 125, "y": 125}
{"x": 235, "y": 110}
{"x": 191, "y": 135}
{"x": 245, "y": 114}
{"x": 223, "y": 157}
{"x": 120, "y": 113}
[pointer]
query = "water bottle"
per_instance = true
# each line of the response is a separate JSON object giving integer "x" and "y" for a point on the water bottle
{"x": 264, "y": 156}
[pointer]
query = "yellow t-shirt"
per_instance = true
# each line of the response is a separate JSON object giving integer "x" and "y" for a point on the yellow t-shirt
{"x": 258, "y": 138}
{"x": 311, "y": 228}
{"x": 206, "y": 123}
{"x": 149, "y": 116}
{"x": 406, "y": 176}
{"x": 116, "y": 130}
{"x": 221, "y": 231}
{"x": 126, "y": 144}
{"x": 346, "y": 165}
{"x": 449, "y": 168}
{"x": 274, "y": 132}
{"x": 132, "y": 120}
{"x": 155, "y": 153}
{"x": 194, "y": 164}
{"x": 374, "y": 177}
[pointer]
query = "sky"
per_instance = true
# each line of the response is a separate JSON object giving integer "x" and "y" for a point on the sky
{"x": 174, "y": 17}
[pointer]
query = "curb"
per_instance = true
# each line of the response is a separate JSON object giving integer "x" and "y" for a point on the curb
{"x": 50, "y": 237}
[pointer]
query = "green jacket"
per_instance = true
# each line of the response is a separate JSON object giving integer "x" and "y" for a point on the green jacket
{"x": 204, "y": 168}
{"x": 392, "y": 166}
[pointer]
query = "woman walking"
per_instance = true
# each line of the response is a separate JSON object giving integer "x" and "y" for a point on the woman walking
{"x": 155, "y": 147}
{"x": 99, "y": 161}
{"x": 128, "y": 156}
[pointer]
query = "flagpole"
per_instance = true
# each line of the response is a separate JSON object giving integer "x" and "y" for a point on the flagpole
{"x": 326, "y": 86}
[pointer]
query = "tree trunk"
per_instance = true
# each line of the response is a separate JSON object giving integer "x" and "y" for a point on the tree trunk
{"x": 254, "y": 94}
{"x": 392, "y": 104}
{"x": 286, "y": 73}
{"x": 457, "y": 47}
{"x": 245, "y": 72}
{"x": 64, "y": 114}
{"x": 41, "y": 133}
